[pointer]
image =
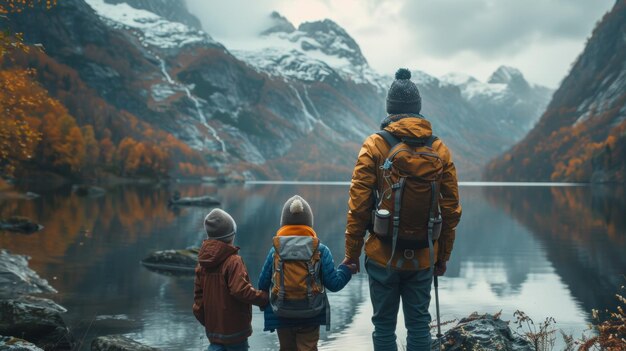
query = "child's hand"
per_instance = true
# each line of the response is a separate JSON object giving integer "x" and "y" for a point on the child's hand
{"x": 352, "y": 267}
{"x": 349, "y": 262}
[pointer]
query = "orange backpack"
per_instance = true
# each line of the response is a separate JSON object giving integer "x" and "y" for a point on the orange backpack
{"x": 409, "y": 192}
{"x": 297, "y": 289}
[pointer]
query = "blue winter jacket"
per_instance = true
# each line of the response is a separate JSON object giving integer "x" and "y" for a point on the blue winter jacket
{"x": 333, "y": 279}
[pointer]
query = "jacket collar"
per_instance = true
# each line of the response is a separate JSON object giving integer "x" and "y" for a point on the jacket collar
{"x": 410, "y": 127}
{"x": 394, "y": 118}
{"x": 296, "y": 230}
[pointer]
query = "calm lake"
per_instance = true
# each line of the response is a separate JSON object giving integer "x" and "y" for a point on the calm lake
{"x": 550, "y": 251}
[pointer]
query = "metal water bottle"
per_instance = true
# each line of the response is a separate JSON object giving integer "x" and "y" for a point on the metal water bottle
{"x": 381, "y": 222}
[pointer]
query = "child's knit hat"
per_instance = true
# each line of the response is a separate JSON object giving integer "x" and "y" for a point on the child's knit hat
{"x": 219, "y": 225}
{"x": 296, "y": 211}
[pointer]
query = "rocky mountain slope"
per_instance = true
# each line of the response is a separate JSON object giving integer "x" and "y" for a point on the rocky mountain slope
{"x": 494, "y": 114}
{"x": 582, "y": 135}
{"x": 296, "y": 105}
{"x": 507, "y": 99}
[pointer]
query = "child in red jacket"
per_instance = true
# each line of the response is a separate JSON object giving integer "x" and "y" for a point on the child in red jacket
{"x": 223, "y": 295}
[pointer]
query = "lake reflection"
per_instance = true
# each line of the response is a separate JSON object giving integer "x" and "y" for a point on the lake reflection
{"x": 549, "y": 251}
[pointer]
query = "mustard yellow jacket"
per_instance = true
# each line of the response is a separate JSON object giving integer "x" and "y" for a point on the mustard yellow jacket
{"x": 365, "y": 180}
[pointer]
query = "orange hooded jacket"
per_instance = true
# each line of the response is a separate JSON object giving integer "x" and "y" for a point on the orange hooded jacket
{"x": 365, "y": 180}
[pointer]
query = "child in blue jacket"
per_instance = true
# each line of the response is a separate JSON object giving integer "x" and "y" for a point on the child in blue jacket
{"x": 301, "y": 333}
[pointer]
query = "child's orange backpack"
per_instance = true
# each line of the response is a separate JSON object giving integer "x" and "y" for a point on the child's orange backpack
{"x": 297, "y": 290}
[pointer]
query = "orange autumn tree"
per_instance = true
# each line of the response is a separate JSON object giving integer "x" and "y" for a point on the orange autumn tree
{"x": 37, "y": 127}
{"x": 53, "y": 121}
{"x": 17, "y": 138}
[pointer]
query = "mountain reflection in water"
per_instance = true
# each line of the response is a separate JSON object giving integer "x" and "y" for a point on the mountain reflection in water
{"x": 550, "y": 251}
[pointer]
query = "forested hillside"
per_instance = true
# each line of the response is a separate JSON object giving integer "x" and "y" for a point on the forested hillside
{"x": 582, "y": 135}
{"x": 143, "y": 92}
{"x": 53, "y": 122}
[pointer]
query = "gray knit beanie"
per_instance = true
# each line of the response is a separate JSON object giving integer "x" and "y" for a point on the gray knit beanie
{"x": 219, "y": 225}
{"x": 296, "y": 211}
{"x": 403, "y": 96}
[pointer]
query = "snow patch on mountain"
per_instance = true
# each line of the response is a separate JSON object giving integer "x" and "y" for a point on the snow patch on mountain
{"x": 155, "y": 30}
{"x": 315, "y": 51}
{"x": 285, "y": 62}
{"x": 472, "y": 88}
{"x": 505, "y": 74}
{"x": 456, "y": 78}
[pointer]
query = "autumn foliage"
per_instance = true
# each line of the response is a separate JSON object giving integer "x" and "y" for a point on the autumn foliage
{"x": 611, "y": 330}
{"x": 52, "y": 121}
{"x": 582, "y": 135}
{"x": 38, "y": 133}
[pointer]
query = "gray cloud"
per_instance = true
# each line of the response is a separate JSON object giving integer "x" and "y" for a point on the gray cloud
{"x": 541, "y": 37}
{"x": 233, "y": 19}
{"x": 493, "y": 27}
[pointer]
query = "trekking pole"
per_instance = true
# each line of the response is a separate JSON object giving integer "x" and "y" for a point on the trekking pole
{"x": 439, "y": 335}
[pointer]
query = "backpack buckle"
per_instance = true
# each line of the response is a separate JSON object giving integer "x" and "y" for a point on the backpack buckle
{"x": 409, "y": 254}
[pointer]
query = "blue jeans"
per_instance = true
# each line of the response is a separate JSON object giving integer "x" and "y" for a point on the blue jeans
{"x": 386, "y": 289}
{"x": 232, "y": 347}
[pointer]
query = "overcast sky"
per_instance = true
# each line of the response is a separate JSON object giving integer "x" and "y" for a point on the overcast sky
{"x": 540, "y": 37}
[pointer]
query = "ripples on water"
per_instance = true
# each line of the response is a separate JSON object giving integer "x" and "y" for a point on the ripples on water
{"x": 549, "y": 251}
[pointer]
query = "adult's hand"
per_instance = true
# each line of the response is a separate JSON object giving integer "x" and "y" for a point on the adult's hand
{"x": 353, "y": 265}
{"x": 440, "y": 268}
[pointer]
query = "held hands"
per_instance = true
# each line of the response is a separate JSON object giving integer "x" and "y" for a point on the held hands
{"x": 440, "y": 268}
{"x": 353, "y": 265}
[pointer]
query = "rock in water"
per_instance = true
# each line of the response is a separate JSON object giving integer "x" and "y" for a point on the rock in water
{"x": 118, "y": 343}
{"x": 201, "y": 201}
{"x": 37, "y": 320}
{"x": 17, "y": 278}
{"x": 30, "y": 195}
{"x": 9, "y": 343}
{"x": 180, "y": 262}
{"x": 88, "y": 190}
{"x": 20, "y": 224}
{"x": 118, "y": 323}
{"x": 483, "y": 333}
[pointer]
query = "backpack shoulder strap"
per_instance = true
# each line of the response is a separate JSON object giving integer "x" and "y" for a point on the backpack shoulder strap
{"x": 431, "y": 140}
{"x": 389, "y": 138}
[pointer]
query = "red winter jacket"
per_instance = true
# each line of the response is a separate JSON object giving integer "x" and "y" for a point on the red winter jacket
{"x": 223, "y": 295}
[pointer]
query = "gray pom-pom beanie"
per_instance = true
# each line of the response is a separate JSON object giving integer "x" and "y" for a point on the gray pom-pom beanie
{"x": 296, "y": 211}
{"x": 219, "y": 225}
{"x": 403, "y": 95}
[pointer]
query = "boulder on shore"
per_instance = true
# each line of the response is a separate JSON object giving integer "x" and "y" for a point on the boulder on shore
{"x": 482, "y": 332}
{"x": 9, "y": 343}
{"x": 20, "y": 225}
{"x": 177, "y": 262}
{"x": 118, "y": 343}
{"x": 17, "y": 278}
{"x": 37, "y": 320}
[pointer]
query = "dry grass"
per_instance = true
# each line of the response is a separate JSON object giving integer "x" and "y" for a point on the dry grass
{"x": 542, "y": 336}
{"x": 611, "y": 329}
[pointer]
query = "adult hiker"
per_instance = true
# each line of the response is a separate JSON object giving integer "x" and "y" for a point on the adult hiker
{"x": 404, "y": 192}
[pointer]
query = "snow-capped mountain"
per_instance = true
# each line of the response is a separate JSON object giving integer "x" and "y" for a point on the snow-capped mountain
{"x": 150, "y": 28}
{"x": 315, "y": 51}
{"x": 295, "y": 103}
{"x": 177, "y": 78}
{"x": 498, "y": 112}
{"x": 507, "y": 99}
{"x": 172, "y": 10}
